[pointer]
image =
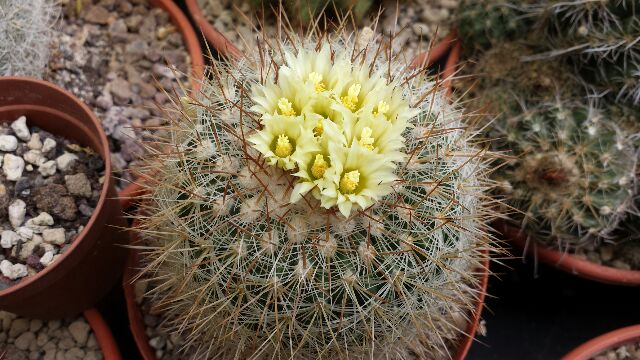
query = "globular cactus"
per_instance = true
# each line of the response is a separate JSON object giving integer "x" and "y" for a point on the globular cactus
{"x": 26, "y": 30}
{"x": 573, "y": 171}
{"x": 304, "y": 11}
{"x": 485, "y": 23}
{"x": 317, "y": 200}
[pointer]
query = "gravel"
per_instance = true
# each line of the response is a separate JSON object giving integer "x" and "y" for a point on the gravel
{"x": 114, "y": 56}
{"x": 45, "y": 179}
{"x": 624, "y": 256}
{"x": 418, "y": 22}
{"x": 33, "y": 339}
{"x": 624, "y": 352}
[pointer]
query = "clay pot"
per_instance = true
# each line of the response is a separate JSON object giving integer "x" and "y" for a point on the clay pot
{"x": 129, "y": 193}
{"x": 604, "y": 342}
{"x": 568, "y": 262}
{"x": 92, "y": 264}
{"x": 103, "y": 334}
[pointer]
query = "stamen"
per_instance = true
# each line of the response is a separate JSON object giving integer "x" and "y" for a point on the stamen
{"x": 366, "y": 140}
{"x": 320, "y": 165}
{"x": 283, "y": 146}
{"x": 351, "y": 100}
{"x": 286, "y": 108}
{"x": 316, "y": 79}
{"x": 349, "y": 182}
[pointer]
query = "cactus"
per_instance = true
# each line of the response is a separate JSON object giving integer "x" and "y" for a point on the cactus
{"x": 304, "y": 11}
{"x": 485, "y": 23}
{"x": 573, "y": 172}
{"x": 245, "y": 271}
{"x": 25, "y": 35}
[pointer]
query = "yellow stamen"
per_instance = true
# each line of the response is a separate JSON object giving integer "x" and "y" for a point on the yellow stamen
{"x": 349, "y": 182}
{"x": 382, "y": 108}
{"x": 286, "y": 108}
{"x": 365, "y": 138}
{"x": 319, "y": 129}
{"x": 316, "y": 79}
{"x": 283, "y": 146}
{"x": 351, "y": 100}
{"x": 320, "y": 165}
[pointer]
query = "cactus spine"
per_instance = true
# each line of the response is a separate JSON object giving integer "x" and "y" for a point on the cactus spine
{"x": 244, "y": 272}
{"x": 25, "y": 35}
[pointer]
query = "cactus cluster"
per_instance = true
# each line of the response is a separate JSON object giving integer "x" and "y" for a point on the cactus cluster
{"x": 26, "y": 29}
{"x": 245, "y": 272}
{"x": 574, "y": 175}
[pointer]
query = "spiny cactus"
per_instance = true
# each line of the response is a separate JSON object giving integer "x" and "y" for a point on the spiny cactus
{"x": 245, "y": 271}
{"x": 484, "y": 23}
{"x": 573, "y": 175}
{"x": 25, "y": 35}
{"x": 304, "y": 11}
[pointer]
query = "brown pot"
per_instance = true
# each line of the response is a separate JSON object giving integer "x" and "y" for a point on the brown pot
{"x": 226, "y": 48}
{"x": 129, "y": 193}
{"x": 568, "y": 262}
{"x": 103, "y": 334}
{"x": 92, "y": 264}
{"x": 595, "y": 346}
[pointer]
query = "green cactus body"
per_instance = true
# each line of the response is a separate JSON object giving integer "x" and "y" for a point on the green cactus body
{"x": 244, "y": 273}
{"x": 573, "y": 172}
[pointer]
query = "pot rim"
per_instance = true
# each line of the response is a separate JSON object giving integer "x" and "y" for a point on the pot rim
{"x": 128, "y": 194}
{"x": 108, "y": 178}
{"x": 104, "y": 336}
{"x": 604, "y": 342}
{"x": 568, "y": 262}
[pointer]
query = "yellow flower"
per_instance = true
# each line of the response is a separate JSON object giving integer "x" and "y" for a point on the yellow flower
{"x": 282, "y": 139}
{"x": 378, "y": 135}
{"x": 357, "y": 177}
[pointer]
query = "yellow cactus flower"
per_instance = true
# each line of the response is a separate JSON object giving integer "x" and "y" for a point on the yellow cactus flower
{"x": 285, "y": 107}
{"x": 351, "y": 99}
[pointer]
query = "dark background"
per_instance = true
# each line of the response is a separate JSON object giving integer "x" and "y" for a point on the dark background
{"x": 532, "y": 313}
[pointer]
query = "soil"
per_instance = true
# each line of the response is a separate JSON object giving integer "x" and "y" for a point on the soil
{"x": 33, "y": 339}
{"x": 120, "y": 57}
{"x": 49, "y": 188}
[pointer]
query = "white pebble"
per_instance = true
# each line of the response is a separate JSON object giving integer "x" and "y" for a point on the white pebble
{"x": 9, "y": 239}
{"x": 17, "y": 210}
{"x": 48, "y": 145}
{"x": 79, "y": 331}
{"x": 53, "y": 236}
{"x": 8, "y": 143}
{"x": 35, "y": 143}
{"x": 20, "y": 128}
{"x": 48, "y": 168}
{"x": 47, "y": 258}
{"x": 24, "y": 340}
{"x": 25, "y": 233}
{"x": 34, "y": 157}
{"x": 13, "y": 167}
{"x": 65, "y": 161}
{"x": 29, "y": 167}
{"x": 12, "y": 271}
{"x": 44, "y": 219}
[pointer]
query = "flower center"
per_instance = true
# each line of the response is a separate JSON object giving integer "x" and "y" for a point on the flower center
{"x": 319, "y": 166}
{"x": 283, "y": 146}
{"x": 349, "y": 182}
{"x": 316, "y": 79}
{"x": 286, "y": 107}
{"x": 319, "y": 129}
{"x": 382, "y": 108}
{"x": 366, "y": 140}
{"x": 351, "y": 100}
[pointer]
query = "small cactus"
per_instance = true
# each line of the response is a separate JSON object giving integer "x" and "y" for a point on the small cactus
{"x": 255, "y": 255}
{"x": 25, "y": 35}
{"x": 573, "y": 172}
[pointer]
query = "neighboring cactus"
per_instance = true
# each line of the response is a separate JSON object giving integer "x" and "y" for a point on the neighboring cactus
{"x": 245, "y": 272}
{"x": 572, "y": 174}
{"x": 25, "y": 35}
{"x": 304, "y": 11}
{"x": 485, "y": 23}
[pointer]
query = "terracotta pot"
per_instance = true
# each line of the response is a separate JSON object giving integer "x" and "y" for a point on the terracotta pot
{"x": 604, "y": 342}
{"x": 103, "y": 334}
{"x": 129, "y": 193}
{"x": 92, "y": 264}
{"x": 568, "y": 262}
{"x": 226, "y": 48}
